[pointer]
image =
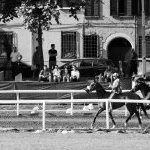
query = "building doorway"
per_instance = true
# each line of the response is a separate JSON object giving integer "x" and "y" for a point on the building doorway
{"x": 119, "y": 49}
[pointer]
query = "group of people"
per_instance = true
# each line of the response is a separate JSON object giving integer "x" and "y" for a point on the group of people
{"x": 57, "y": 75}
{"x": 53, "y": 73}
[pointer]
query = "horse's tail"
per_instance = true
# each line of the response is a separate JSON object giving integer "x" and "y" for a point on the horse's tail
{"x": 144, "y": 110}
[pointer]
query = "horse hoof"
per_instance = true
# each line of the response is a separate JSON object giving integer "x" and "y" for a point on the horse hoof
{"x": 92, "y": 127}
{"x": 113, "y": 127}
{"x": 140, "y": 126}
{"x": 125, "y": 125}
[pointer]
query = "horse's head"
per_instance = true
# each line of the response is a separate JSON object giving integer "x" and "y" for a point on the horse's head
{"x": 95, "y": 85}
{"x": 139, "y": 84}
{"x": 90, "y": 87}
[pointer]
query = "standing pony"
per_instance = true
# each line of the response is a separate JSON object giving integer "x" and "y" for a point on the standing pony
{"x": 102, "y": 94}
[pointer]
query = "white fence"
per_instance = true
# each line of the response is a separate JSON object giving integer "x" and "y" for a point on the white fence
{"x": 58, "y": 101}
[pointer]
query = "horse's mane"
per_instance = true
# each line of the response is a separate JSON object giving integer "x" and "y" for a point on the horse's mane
{"x": 100, "y": 86}
{"x": 145, "y": 85}
{"x": 101, "y": 92}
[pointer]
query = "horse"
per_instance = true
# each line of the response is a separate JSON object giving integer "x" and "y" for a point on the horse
{"x": 143, "y": 87}
{"x": 131, "y": 107}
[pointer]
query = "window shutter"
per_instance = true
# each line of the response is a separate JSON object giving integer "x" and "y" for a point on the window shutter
{"x": 1, "y": 5}
{"x": 147, "y": 46}
{"x": 96, "y": 8}
{"x": 147, "y": 7}
{"x": 88, "y": 8}
{"x": 92, "y": 8}
{"x": 135, "y": 7}
{"x": 129, "y": 7}
{"x": 113, "y": 7}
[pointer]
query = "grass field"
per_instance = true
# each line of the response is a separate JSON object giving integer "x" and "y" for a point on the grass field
{"x": 59, "y": 119}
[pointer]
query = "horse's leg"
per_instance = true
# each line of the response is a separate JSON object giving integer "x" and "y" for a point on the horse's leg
{"x": 139, "y": 119}
{"x": 99, "y": 111}
{"x": 129, "y": 117}
{"x": 144, "y": 110}
{"x": 112, "y": 119}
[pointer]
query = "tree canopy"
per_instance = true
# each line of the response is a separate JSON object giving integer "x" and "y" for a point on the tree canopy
{"x": 38, "y": 14}
{"x": 10, "y": 8}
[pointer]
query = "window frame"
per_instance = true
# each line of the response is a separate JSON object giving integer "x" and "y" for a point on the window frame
{"x": 2, "y": 3}
{"x": 64, "y": 45}
{"x": 132, "y": 9}
{"x": 92, "y": 9}
{"x": 140, "y": 47}
{"x": 85, "y": 53}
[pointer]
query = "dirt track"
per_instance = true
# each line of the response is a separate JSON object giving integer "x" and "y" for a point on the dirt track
{"x": 100, "y": 140}
{"x": 74, "y": 141}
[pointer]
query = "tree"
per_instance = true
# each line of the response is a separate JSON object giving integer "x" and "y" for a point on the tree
{"x": 38, "y": 14}
{"x": 37, "y": 17}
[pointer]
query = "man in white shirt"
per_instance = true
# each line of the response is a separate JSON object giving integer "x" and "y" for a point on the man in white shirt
{"x": 15, "y": 58}
{"x": 75, "y": 74}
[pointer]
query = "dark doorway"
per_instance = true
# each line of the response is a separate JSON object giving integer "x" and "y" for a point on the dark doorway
{"x": 119, "y": 49}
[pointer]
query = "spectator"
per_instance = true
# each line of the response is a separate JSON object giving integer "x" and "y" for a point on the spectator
{"x": 36, "y": 66}
{"x": 133, "y": 63}
{"x": 52, "y": 57}
{"x": 45, "y": 74}
{"x": 66, "y": 76}
{"x": 15, "y": 59}
{"x": 56, "y": 74}
{"x": 75, "y": 74}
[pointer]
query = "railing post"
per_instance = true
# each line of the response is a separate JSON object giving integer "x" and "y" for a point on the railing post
{"x": 43, "y": 120}
{"x": 107, "y": 114}
{"x": 17, "y": 94}
{"x": 71, "y": 104}
{"x": 126, "y": 111}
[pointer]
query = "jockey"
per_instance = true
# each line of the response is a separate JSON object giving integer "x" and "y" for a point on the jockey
{"x": 116, "y": 87}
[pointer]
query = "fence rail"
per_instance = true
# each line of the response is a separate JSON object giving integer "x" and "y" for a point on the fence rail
{"x": 72, "y": 101}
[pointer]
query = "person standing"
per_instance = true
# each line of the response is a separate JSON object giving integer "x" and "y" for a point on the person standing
{"x": 36, "y": 64}
{"x": 133, "y": 63}
{"x": 52, "y": 57}
{"x": 15, "y": 59}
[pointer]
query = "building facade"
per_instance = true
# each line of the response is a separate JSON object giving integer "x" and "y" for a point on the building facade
{"x": 118, "y": 26}
{"x": 106, "y": 28}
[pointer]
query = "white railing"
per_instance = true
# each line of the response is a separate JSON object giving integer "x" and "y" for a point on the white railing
{"x": 72, "y": 92}
{"x": 72, "y": 101}
{"x": 43, "y": 102}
